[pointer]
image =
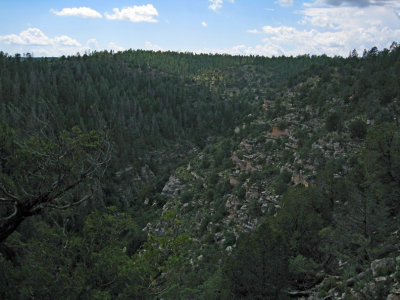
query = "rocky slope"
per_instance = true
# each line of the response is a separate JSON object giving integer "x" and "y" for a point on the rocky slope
{"x": 227, "y": 189}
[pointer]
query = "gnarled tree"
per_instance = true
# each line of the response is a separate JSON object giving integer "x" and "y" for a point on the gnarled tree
{"x": 38, "y": 173}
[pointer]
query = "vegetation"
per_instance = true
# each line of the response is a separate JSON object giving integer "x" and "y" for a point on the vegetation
{"x": 149, "y": 175}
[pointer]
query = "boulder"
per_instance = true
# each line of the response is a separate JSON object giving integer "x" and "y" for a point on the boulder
{"x": 359, "y": 277}
{"x": 382, "y": 267}
{"x": 172, "y": 188}
{"x": 394, "y": 293}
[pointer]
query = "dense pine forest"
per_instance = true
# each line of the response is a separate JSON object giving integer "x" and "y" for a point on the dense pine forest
{"x": 163, "y": 175}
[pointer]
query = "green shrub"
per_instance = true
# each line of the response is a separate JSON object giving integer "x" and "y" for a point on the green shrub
{"x": 240, "y": 191}
{"x": 230, "y": 239}
{"x": 205, "y": 163}
{"x": 302, "y": 269}
{"x": 358, "y": 129}
{"x": 255, "y": 208}
{"x": 187, "y": 196}
{"x": 280, "y": 187}
{"x": 282, "y": 125}
{"x": 333, "y": 122}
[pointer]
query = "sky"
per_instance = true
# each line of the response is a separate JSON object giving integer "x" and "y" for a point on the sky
{"x": 237, "y": 27}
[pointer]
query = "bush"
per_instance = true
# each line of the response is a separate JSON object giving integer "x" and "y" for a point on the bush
{"x": 255, "y": 208}
{"x": 280, "y": 188}
{"x": 358, "y": 129}
{"x": 230, "y": 239}
{"x": 240, "y": 191}
{"x": 224, "y": 188}
{"x": 282, "y": 125}
{"x": 302, "y": 269}
{"x": 281, "y": 183}
{"x": 213, "y": 178}
{"x": 286, "y": 176}
{"x": 333, "y": 122}
{"x": 187, "y": 196}
{"x": 328, "y": 284}
{"x": 257, "y": 268}
{"x": 205, "y": 163}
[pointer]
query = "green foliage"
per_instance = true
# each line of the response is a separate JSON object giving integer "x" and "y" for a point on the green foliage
{"x": 38, "y": 172}
{"x": 240, "y": 191}
{"x": 300, "y": 219}
{"x": 381, "y": 160}
{"x": 282, "y": 125}
{"x": 397, "y": 273}
{"x": 187, "y": 196}
{"x": 223, "y": 187}
{"x": 87, "y": 266}
{"x": 164, "y": 256}
{"x": 334, "y": 122}
{"x": 302, "y": 269}
{"x": 328, "y": 284}
{"x": 358, "y": 129}
{"x": 215, "y": 287}
{"x": 281, "y": 182}
{"x": 255, "y": 208}
{"x": 258, "y": 268}
{"x": 230, "y": 239}
{"x": 160, "y": 110}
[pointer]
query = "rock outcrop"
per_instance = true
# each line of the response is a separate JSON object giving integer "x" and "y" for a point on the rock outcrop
{"x": 383, "y": 267}
{"x": 172, "y": 188}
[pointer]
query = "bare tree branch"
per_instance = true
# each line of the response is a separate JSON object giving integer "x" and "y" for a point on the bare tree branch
{"x": 69, "y": 204}
{"x": 7, "y": 201}
{"x": 8, "y": 194}
{"x": 13, "y": 214}
{"x": 50, "y": 170}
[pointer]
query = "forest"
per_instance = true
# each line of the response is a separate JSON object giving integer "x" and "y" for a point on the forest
{"x": 163, "y": 175}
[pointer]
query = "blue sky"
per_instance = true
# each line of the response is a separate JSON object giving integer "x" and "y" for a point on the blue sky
{"x": 258, "y": 27}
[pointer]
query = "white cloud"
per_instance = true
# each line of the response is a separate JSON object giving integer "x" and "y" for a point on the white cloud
{"x": 253, "y": 31}
{"x": 35, "y": 37}
{"x": 92, "y": 44}
{"x": 115, "y": 47}
{"x": 392, "y": 4}
{"x": 331, "y": 30}
{"x": 336, "y": 30}
{"x": 347, "y": 18}
{"x": 143, "y": 13}
{"x": 33, "y": 40}
{"x": 204, "y": 24}
{"x": 361, "y": 3}
{"x": 217, "y": 4}
{"x": 267, "y": 50}
{"x": 285, "y": 2}
{"x": 325, "y": 30}
{"x": 83, "y": 12}
{"x": 66, "y": 41}
{"x": 150, "y": 46}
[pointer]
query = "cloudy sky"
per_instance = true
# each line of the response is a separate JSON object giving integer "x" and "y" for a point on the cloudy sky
{"x": 258, "y": 27}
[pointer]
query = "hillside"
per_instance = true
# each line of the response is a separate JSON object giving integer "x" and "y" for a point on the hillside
{"x": 151, "y": 175}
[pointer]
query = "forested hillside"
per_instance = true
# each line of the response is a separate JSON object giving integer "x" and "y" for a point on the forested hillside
{"x": 162, "y": 175}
